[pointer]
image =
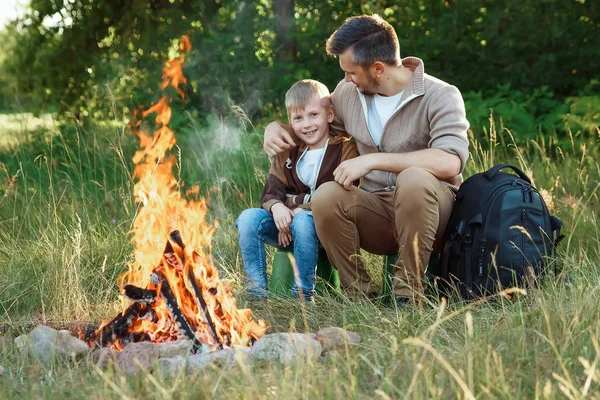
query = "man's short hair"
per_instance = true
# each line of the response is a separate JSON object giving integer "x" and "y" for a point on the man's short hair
{"x": 371, "y": 39}
{"x": 302, "y": 92}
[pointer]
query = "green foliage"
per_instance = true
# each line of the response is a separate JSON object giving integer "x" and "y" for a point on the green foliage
{"x": 527, "y": 115}
{"x": 99, "y": 58}
{"x": 530, "y": 115}
{"x": 584, "y": 111}
{"x": 77, "y": 54}
{"x": 475, "y": 45}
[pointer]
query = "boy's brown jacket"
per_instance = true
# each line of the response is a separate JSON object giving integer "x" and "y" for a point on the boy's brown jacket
{"x": 283, "y": 184}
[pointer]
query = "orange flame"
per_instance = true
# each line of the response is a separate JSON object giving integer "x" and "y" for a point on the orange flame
{"x": 164, "y": 209}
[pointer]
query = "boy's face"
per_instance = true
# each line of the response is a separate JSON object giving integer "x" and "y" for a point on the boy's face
{"x": 311, "y": 124}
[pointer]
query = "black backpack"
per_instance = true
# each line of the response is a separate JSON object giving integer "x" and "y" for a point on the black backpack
{"x": 499, "y": 227}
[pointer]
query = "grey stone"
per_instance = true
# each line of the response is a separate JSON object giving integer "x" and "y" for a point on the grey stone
{"x": 46, "y": 343}
{"x": 172, "y": 366}
{"x": 179, "y": 348}
{"x": 138, "y": 357}
{"x": 103, "y": 357}
{"x": 42, "y": 341}
{"x": 218, "y": 358}
{"x": 333, "y": 337}
{"x": 2, "y": 370}
{"x": 21, "y": 342}
{"x": 5, "y": 342}
{"x": 68, "y": 345}
{"x": 243, "y": 355}
{"x": 286, "y": 348}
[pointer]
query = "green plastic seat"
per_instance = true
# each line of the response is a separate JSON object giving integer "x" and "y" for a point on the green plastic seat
{"x": 389, "y": 262}
{"x": 282, "y": 276}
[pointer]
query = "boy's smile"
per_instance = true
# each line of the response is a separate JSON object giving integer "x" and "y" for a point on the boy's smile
{"x": 310, "y": 133}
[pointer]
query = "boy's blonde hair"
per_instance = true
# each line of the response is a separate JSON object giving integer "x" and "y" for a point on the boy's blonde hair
{"x": 301, "y": 92}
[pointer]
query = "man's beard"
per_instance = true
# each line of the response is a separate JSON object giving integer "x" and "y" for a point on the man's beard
{"x": 372, "y": 87}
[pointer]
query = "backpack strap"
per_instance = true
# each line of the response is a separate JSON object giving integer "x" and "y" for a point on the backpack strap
{"x": 490, "y": 173}
{"x": 555, "y": 225}
{"x": 442, "y": 269}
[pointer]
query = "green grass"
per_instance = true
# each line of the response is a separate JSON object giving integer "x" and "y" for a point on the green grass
{"x": 66, "y": 207}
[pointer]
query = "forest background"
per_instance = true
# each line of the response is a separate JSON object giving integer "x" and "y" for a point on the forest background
{"x": 533, "y": 62}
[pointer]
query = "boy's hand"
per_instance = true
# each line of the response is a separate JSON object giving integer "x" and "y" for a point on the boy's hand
{"x": 277, "y": 139}
{"x": 285, "y": 239}
{"x": 283, "y": 217}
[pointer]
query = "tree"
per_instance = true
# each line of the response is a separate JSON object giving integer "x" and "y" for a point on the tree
{"x": 98, "y": 54}
{"x": 284, "y": 17}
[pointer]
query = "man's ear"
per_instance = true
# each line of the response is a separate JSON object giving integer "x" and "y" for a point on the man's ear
{"x": 378, "y": 68}
{"x": 330, "y": 114}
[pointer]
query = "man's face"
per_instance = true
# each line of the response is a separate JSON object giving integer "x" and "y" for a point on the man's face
{"x": 364, "y": 81}
{"x": 311, "y": 124}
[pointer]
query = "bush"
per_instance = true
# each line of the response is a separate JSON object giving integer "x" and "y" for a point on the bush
{"x": 105, "y": 56}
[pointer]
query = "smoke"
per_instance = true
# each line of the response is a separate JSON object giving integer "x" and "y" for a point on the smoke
{"x": 227, "y": 130}
{"x": 216, "y": 135}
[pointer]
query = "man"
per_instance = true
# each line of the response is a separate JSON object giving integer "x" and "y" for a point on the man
{"x": 411, "y": 133}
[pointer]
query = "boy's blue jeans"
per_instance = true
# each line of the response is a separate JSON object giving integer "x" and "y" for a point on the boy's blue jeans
{"x": 257, "y": 227}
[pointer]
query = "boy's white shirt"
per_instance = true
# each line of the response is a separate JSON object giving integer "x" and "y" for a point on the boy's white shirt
{"x": 308, "y": 166}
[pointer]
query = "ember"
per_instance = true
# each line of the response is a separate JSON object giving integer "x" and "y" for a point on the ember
{"x": 175, "y": 289}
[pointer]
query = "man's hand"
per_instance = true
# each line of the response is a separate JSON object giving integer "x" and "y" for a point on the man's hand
{"x": 284, "y": 239}
{"x": 350, "y": 170}
{"x": 277, "y": 139}
{"x": 283, "y": 217}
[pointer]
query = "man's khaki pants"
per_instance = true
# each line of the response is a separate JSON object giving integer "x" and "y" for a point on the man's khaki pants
{"x": 410, "y": 220}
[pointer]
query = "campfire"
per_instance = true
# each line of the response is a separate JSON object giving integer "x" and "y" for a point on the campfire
{"x": 171, "y": 290}
{"x": 174, "y": 303}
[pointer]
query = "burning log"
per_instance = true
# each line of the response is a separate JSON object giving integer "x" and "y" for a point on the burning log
{"x": 117, "y": 327}
{"x": 203, "y": 307}
{"x": 139, "y": 295}
{"x": 177, "y": 263}
{"x": 172, "y": 255}
{"x": 168, "y": 297}
{"x": 176, "y": 237}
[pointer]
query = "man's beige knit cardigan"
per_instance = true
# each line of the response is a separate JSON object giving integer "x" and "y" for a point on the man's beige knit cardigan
{"x": 431, "y": 114}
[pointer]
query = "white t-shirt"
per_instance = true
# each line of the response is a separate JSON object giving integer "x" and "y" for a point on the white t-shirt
{"x": 308, "y": 166}
{"x": 380, "y": 110}
{"x": 386, "y": 105}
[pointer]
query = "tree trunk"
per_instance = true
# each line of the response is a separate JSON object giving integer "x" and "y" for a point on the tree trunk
{"x": 284, "y": 19}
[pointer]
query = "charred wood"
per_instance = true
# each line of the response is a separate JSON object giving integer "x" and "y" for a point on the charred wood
{"x": 148, "y": 314}
{"x": 197, "y": 291}
{"x": 116, "y": 328}
{"x": 176, "y": 237}
{"x": 171, "y": 302}
{"x": 139, "y": 295}
{"x": 174, "y": 256}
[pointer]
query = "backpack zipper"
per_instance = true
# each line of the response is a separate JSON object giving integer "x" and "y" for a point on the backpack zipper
{"x": 523, "y": 237}
{"x": 483, "y": 242}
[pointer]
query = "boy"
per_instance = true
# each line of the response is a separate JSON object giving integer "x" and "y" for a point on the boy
{"x": 286, "y": 217}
